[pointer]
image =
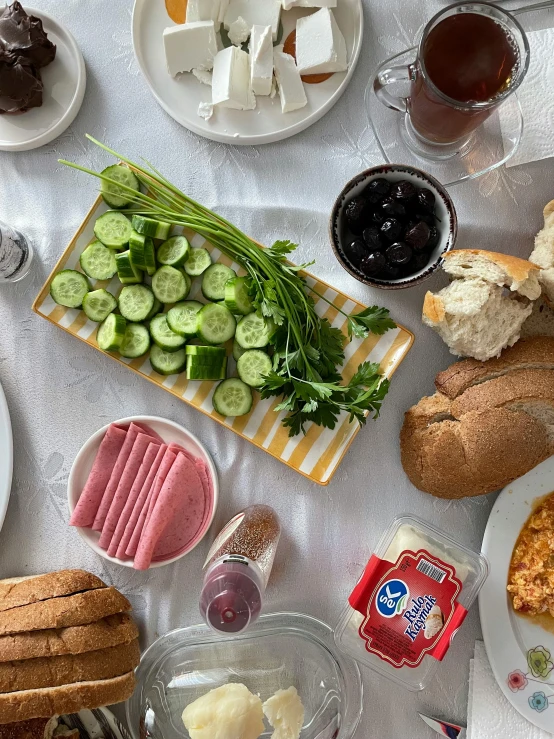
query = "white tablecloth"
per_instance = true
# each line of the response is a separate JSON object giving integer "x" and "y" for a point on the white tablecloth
{"x": 60, "y": 391}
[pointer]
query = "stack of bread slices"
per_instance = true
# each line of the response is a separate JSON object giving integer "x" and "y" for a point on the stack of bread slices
{"x": 67, "y": 643}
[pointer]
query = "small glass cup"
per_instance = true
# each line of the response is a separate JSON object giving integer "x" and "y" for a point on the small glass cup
{"x": 16, "y": 254}
{"x": 436, "y": 125}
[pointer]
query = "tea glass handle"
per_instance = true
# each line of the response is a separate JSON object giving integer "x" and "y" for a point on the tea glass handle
{"x": 387, "y": 77}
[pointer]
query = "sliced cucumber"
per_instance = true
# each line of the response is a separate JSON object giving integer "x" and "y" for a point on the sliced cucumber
{"x": 113, "y": 229}
{"x": 216, "y": 324}
{"x": 232, "y": 397}
{"x": 111, "y": 333}
{"x": 136, "y": 341}
{"x": 253, "y": 331}
{"x": 237, "y": 298}
{"x": 174, "y": 251}
{"x": 198, "y": 262}
{"x": 98, "y": 305}
{"x": 150, "y": 227}
{"x": 114, "y": 196}
{"x": 197, "y": 371}
{"x": 136, "y": 302}
{"x": 156, "y": 308}
{"x": 126, "y": 271}
{"x": 142, "y": 252}
{"x": 182, "y": 317}
{"x": 98, "y": 262}
{"x": 238, "y": 351}
{"x": 209, "y": 353}
{"x": 167, "y": 363}
{"x": 170, "y": 284}
{"x": 214, "y": 280}
{"x": 69, "y": 287}
{"x": 252, "y": 366}
{"x": 163, "y": 336}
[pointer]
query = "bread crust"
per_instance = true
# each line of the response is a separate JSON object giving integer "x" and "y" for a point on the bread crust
{"x": 34, "y": 728}
{"x": 433, "y": 308}
{"x": 47, "y": 672}
{"x": 46, "y": 702}
{"x": 57, "y": 613}
{"x": 518, "y": 269}
{"x": 18, "y": 591}
{"x": 535, "y": 352}
{"x": 107, "y": 632}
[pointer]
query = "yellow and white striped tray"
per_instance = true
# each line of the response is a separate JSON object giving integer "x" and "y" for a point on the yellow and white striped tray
{"x": 315, "y": 455}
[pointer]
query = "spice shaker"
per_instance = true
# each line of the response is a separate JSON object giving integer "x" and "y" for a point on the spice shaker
{"x": 237, "y": 569}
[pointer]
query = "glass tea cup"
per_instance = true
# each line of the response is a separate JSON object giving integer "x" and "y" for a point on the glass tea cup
{"x": 471, "y": 57}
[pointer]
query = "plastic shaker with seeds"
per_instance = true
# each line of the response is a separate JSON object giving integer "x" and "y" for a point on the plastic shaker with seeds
{"x": 237, "y": 569}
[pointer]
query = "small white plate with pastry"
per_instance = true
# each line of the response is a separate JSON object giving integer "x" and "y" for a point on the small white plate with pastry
{"x": 248, "y": 106}
{"x": 517, "y": 611}
{"x": 6, "y": 456}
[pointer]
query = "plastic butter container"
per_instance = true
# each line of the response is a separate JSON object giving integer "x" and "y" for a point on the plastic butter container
{"x": 410, "y": 601}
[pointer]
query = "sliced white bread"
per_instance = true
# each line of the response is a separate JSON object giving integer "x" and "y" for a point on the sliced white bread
{"x": 45, "y": 702}
{"x": 107, "y": 632}
{"x": 543, "y": 253}
{"x": 474, "y": 317}
{"x": 21, "y": 591}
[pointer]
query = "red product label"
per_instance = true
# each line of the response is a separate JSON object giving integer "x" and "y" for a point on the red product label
{"x": 409, "y": 607}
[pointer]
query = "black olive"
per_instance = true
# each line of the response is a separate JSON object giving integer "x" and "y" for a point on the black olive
{"x": 434, "y": 237}
{"x": 420, "y": 261}
{"x": 426, "y": 199}
{"x": 391, "y": 229}
{"x": 373, "y": 264}
{"x": 391, "y": 272}
{"x": 398, "y": 254}
{"x": 392, "y": 208}
{"x": 372, "y": 239}
{"x": 377, "y": 217}
{"x": 355, "y": 251}
{"x": 377, "y": 190}
{"x": 426, "y": 217}
{"x": 403, "y": 191}
{"x": 417, "y": 236}
{"x": 354, "y": 211}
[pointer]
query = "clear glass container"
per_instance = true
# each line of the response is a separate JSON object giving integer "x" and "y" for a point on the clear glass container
{"x": 279, "y": 650}
{"x": 408, "y": 534}
{"x": 16, "y": 254}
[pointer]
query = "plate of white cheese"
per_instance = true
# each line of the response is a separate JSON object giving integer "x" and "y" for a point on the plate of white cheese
{"x": 247, "y": 71}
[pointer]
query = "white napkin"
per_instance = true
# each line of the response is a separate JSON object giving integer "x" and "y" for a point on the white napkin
{"x": 536, "y": 96}
{"x": 489, "y": 713}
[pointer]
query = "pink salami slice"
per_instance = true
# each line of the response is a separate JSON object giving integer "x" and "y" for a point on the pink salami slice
{"x": 115, "y": 477}
{"x": 165, "y": 466}
{"x": 205, "y": 477}
{"x": 177, "y": 514}
{"x": 122, "y": 517}
{"x": 130, "y": 522}
{"x": 99, "y": 476}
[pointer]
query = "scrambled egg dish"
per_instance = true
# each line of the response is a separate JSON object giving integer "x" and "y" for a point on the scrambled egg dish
{"x": 531, "y": 576}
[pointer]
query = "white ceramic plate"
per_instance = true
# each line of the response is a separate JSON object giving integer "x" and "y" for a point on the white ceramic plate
{"x": 170, "y": 432}
{"x": 64, "y": 88}
{"x": 6, "y": 456}
{"x": 100, "y": 723}
{"x": 181, "y": 96}
{"x": 512, "y": 641}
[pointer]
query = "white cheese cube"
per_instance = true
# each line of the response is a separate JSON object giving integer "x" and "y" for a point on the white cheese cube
{"x": 320, "y": 45}
{"x": 203, "y": 76}
{"x": 190, "y": 46}
{"x": 287, "y": 4}
{"x": 255, "y": 13}
{"x": 231, "y": 80}
{"x": 239, "y": 31}
{"x": 203, "y": 10}
{"x": 291, "y": 88}
{"x": 206, "y": 110}
{"x": 261, "y": 60}
{"x": 223, "y": 5}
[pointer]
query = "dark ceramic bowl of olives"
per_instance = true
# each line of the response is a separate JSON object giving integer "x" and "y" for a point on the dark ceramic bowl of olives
{"x": 391, "y": 226}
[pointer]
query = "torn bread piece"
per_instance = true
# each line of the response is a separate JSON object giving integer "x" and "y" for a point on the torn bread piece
{"x": 543, "y": 253}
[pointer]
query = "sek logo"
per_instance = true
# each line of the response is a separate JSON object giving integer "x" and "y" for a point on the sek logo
{"x": 392, "y": 597}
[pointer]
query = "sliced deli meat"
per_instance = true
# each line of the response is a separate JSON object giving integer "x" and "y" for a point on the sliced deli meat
{"x": 99, "y": 476}
{"x": 128, "y": 477}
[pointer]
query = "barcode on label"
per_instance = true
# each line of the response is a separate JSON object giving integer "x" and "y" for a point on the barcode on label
{"x": 435, "y": 573}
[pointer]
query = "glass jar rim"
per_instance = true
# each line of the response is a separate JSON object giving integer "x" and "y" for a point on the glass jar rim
{"x": 487, "y": 103}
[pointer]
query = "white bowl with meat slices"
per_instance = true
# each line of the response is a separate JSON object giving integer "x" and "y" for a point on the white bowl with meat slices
{"x": 142, "y": 492}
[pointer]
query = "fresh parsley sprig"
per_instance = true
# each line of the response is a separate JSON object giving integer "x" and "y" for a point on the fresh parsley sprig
{"x": 307, "y": 350}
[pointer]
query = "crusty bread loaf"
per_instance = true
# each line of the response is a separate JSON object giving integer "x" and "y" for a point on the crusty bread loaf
{"x": 107, "y": 632}
{"x": 491, "y": 424}
{"x": 543, "y": 253}
{"x": 47, "y": 672}
{"x": 44, "y": 702}
{"x": 21, "y": 591}
{"x": 541, "y": 320}
{"x": 57, "y": 613}
{"x": 35, "y": 728}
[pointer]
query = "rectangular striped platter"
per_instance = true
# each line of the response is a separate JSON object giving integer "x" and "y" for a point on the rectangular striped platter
{"x": 316, "y": 455}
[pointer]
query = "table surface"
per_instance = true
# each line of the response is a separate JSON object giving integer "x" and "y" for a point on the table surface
{"x": 280, "y": 190}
